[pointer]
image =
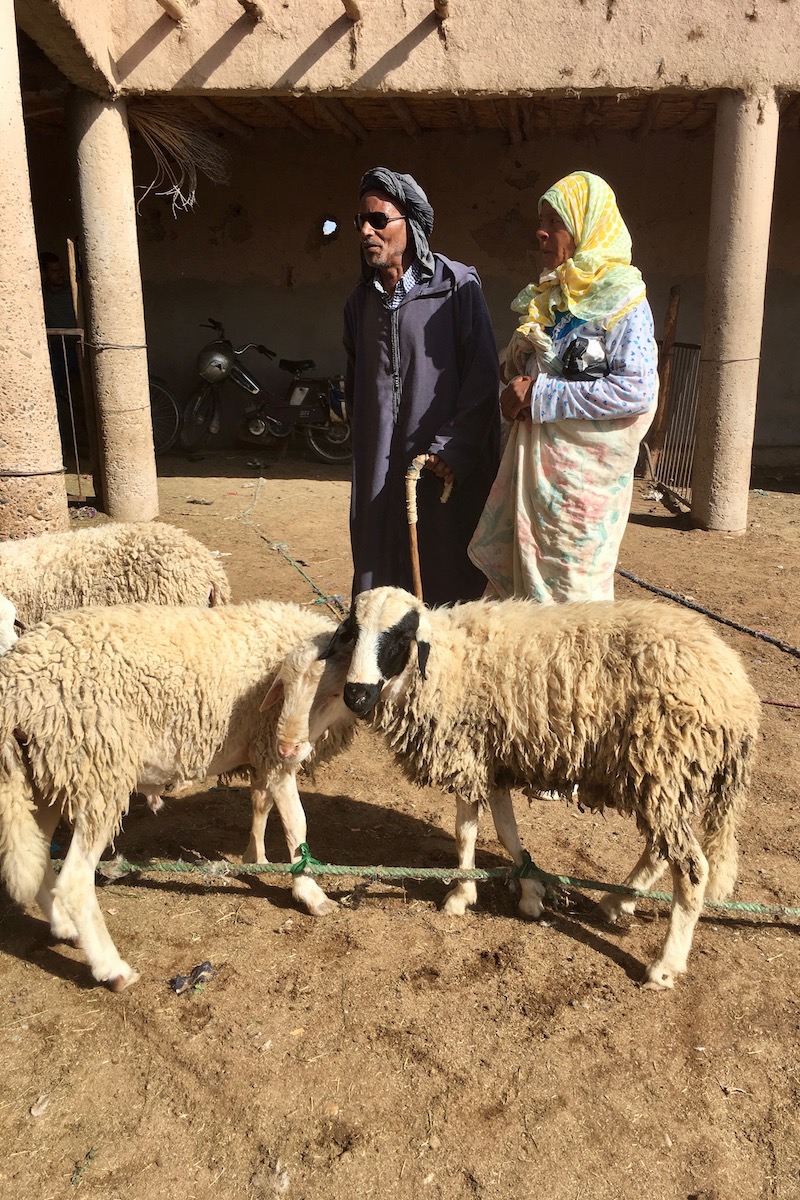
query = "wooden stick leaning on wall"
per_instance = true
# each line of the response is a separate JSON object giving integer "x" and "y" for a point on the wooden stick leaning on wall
{"x": 87, "y": 391}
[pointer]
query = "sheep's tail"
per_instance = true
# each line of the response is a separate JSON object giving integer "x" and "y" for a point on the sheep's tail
{"x": 721, "y": 817}
{"x": 23, "y": 850}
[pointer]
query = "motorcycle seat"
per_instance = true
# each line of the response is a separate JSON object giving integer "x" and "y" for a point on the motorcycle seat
{"x": 296, "y": 366}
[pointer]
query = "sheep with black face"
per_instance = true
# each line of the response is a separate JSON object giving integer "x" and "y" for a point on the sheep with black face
{"x": 638, "y": 703}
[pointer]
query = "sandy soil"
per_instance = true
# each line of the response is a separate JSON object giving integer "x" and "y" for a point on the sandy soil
{"x": 390, "y": 1050}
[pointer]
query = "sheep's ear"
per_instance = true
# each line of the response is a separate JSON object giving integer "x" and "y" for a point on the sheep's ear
{"x": 274, "y": 694}
{"x": 423, "y": 650}
{"x": 343, "y": 638}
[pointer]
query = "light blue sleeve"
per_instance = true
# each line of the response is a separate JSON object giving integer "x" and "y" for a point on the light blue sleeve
{"x": 630, "y": 388}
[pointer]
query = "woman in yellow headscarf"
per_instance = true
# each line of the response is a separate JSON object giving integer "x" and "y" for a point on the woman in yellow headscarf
{"x": 582, "y": 367}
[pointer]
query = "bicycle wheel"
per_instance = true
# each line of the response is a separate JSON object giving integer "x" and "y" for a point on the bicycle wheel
{"x": 165, "y": 414}
{"x": 197, "y": 417}
{"x": 330, "y": 443}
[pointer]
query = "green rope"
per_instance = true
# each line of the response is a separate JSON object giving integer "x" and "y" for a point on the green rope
{"x": 308, "y": 865}
{"x": 334, "y": 603}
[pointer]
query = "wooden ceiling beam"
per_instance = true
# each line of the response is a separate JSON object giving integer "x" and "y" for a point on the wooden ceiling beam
{"x": 405, "y": 116}
{"x": 648, "y": 120}
{"x": 332, "y": 121}
{"x": 514, "y": 122}
{"x": 285, "y": 115}
{"x": 178, "y": 10}
{"x": 353, "y": 10}
{"x": 466, "y": 116}
{"x": 528, "y": 114}
{"x": 344, "y": 115}
{"x": 442, "y": 9}
{"x": 223, "y": 120}
{"x": 256, "y": 9}
{"x": 791, "y": 110}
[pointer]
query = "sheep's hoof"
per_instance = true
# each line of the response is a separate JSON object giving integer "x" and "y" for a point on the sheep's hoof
{"x": 658, "y": 978}
{"x": 457, "y": 901}
{"x": 323, "y": 908}
{"x": 118, "y": 983}
{"x": 531, "y": 908}
{"x": 611, "y": 908}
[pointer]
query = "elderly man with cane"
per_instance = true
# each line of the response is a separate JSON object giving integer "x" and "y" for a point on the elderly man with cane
{"x": 422, "y": 379}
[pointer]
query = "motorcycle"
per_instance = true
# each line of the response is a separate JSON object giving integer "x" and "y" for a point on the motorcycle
{"x": 314, "y": 406}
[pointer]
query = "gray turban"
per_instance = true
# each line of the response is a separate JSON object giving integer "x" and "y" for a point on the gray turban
{"x": 405, "y": 190}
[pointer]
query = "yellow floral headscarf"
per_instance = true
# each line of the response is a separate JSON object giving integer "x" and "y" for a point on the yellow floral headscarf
{"x": 597, "y": 284}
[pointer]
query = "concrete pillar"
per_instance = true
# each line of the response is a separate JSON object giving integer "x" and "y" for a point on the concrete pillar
{"x": 745, "y": 148}
{"x": 114, "y": 315}
{"x": 33, "y": 498}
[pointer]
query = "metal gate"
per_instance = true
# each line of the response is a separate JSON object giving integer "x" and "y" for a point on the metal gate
{"x": 672, "y": 468}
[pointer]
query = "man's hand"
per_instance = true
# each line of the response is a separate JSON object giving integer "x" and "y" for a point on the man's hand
{"x": 440, "y": 468}
{"x": 515, "y": 401}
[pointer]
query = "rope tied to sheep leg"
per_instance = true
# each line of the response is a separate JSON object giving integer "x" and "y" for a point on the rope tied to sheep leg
{"x": 306, "y": 862}
{"x": 308, "y": 865}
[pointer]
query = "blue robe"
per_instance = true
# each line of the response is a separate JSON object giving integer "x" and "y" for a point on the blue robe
{"x": 421, "y": 378}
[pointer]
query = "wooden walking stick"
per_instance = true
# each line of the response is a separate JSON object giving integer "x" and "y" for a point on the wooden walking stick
{"x": 412, "y": 478}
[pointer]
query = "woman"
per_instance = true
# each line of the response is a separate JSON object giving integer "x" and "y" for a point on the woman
{"x": 583, "y": 391}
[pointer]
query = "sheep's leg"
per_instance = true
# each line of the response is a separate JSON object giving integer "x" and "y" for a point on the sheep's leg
{"x": 465, "y": 893}
{"x": 689, "y": 877}
{"x": 647, "y": 871}
{"x": 530, "y": 904}
{"x": 261, "y": 800}
{"x": 287, "y": 801}
{"x": 61, "y": 926}
{"x": 74, "y": 890}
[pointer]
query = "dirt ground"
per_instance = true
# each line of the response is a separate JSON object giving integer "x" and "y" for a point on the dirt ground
{"x": 389, "y": 1050}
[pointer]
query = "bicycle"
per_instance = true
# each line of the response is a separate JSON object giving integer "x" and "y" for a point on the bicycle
{"x": 165, "y": 414}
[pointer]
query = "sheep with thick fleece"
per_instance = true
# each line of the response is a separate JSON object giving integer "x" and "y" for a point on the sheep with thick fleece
{"x": 8, "y": 622}
{"x": 637, "y": 703}
{"x": 101, "y": 702}
{"x": 116, "y": 563}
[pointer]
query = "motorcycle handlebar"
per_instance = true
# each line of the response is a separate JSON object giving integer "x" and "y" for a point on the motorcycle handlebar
{"x": 257, "y": 346}
{"x": 218, "y": 327}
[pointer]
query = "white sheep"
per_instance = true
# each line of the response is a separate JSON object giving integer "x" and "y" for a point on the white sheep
{"x": 101, "y": 702}
{"x": 637, "y": 703}
{"x": 8, "y": 622}
{"x": 115, "y": 563}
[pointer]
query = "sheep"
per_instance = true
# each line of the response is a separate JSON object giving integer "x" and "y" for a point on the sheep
{"x": 638, "y": 704}
{"x": 8, "y": 622}
{"x": 101, "y": 702}
{"x": 116, "y": 563}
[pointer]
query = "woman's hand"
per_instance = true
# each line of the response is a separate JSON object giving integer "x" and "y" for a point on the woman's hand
{"x": 440, "y": 468}
{"x": 515, "y": 401}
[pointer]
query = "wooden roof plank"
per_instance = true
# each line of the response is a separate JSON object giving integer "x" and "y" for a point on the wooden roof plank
{"x": 223, "y": 120}
{"x": 405, "y": 116}
{"x": 284, "y": 114}
{"x": 344, "y": 115}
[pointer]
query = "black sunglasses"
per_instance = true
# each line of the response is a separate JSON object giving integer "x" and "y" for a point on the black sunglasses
{"x": 377, "y": 220}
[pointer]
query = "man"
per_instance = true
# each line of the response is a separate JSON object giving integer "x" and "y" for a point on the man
{"x": 422, "y": 377}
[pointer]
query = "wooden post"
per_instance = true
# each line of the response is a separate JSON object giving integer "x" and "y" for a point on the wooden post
{"x": 176, "y": 9}
{"x": 89, "y": 406}
{"x": 655, "y": 436}
{"x": 255, "y": 9}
